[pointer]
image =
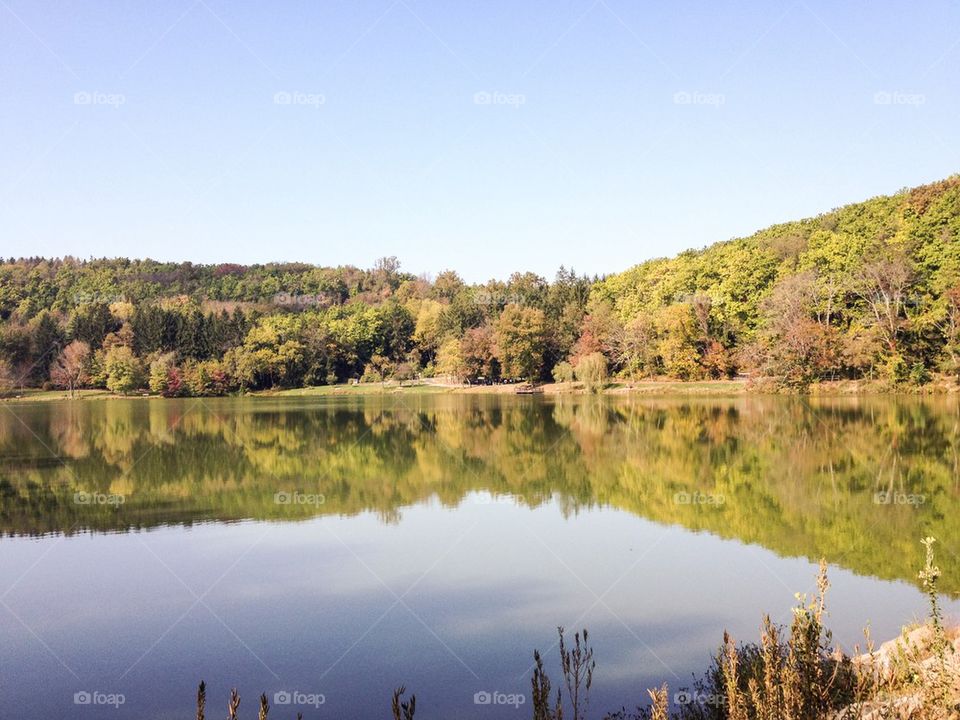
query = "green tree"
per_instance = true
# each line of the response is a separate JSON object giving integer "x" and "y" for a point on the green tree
{"x": 47, "y": 339}
{"x": 8, "y": 379}
{"x": 271, "y": 355}
{"x": 395, "y": 327}
{"x": 520, "y": 342}
{"x": 678, "y": 342}
{"x": 428, "y": 329}
{"x": 92, "y": 323}
{"x": 16, "y": 350}
{"x": 121, "y": 369}
{"x": 950, "y": 327}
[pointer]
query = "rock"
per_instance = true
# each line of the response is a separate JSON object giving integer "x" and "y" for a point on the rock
{"x": 899, "y": 667}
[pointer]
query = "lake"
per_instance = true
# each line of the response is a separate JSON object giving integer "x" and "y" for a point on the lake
{"x": 328, "y": 550}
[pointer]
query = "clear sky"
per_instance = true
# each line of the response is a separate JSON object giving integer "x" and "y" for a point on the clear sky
{"x": 486, "y": 137}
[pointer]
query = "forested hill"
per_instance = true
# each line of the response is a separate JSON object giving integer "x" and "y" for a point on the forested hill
{"x": 869, "y": 290}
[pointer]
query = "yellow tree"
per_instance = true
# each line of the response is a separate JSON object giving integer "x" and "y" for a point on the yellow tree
{"x": 450, "y": 360}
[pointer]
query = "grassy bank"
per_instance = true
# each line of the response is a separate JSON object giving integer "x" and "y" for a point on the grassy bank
{"x": 665, "y": 388}
{"x": 651, "y": 387}
{"x": 35, "y": 394}
{"x": 645, "y": 387}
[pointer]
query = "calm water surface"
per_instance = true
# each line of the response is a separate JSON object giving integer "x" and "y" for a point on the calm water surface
{"x": 339, "y": 548}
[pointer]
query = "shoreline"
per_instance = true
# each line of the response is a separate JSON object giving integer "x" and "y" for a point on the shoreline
{"x": 647, "y": 388}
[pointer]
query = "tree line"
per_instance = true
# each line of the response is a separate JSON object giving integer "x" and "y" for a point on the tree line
{"x": 870, "y": 290}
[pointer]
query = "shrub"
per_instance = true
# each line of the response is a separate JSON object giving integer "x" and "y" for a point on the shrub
{"x": 591, "y": 370}
{"x": 919, "y": 375}
{"x": 563, "y": 372}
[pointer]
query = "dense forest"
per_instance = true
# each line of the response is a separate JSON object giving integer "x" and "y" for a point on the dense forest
{"x": 871, "y": 290}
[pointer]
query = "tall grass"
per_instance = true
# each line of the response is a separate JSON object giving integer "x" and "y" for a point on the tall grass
{"x": 403, "y": 710}
{"x": 796, "y": 673}
{"x": 576, "y": 666}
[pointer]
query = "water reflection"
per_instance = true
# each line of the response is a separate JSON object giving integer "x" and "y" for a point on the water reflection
{"x": 855, "y": 481}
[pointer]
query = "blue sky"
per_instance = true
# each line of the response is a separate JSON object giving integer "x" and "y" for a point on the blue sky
{"x": 486, "y": 137}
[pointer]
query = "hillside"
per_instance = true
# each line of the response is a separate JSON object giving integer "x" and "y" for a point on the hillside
{"x": 871, "y": 290}
{"x": 865, "y": 288}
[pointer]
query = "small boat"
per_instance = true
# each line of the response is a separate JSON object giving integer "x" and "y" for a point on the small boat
{"x": 528, "y": 389}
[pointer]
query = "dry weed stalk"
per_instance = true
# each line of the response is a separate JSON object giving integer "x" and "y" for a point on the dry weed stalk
{"x": 403, "y": 710}
{"x": 658, "y": 703}
{"x": 233, "y": 705}
{"x": 578, "y": 665}
{"x": 201, "y": 700}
